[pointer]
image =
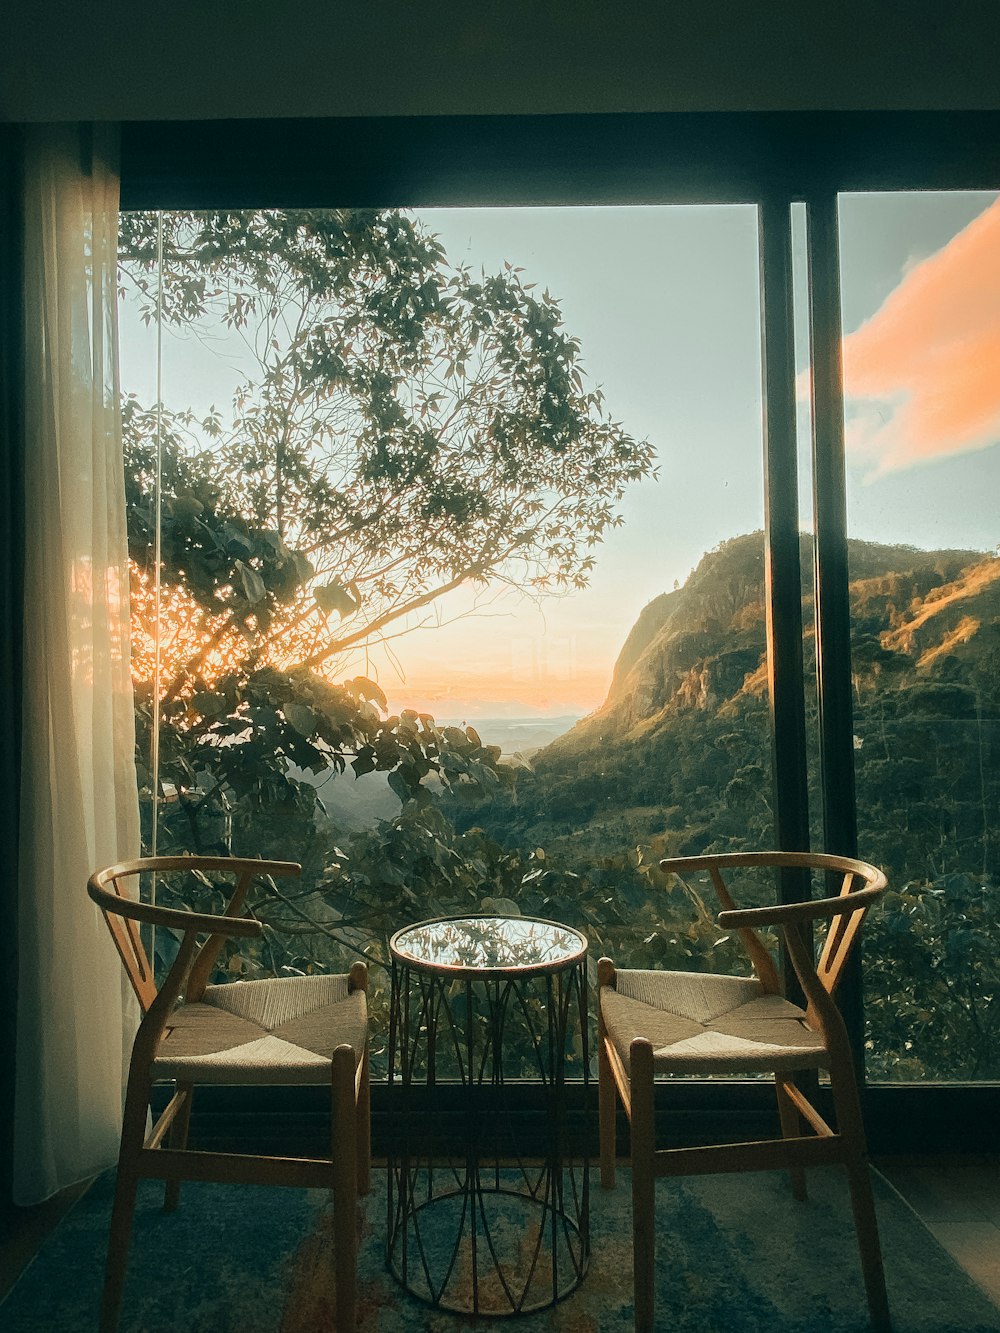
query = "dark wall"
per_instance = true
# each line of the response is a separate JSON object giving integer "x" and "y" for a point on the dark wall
{"x": 11, "y": 542}
{"x": 118, "y": 60}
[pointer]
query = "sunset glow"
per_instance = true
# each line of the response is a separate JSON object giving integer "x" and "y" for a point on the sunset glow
{"x": 923, "y": 373}
{"x": 197, "y": 649}
{"x": 470, "y": 694}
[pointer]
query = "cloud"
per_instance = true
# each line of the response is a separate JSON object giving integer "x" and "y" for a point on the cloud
{"x": 922, "y": 375}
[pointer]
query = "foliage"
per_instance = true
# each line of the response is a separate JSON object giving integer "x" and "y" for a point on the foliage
{"x": 228, "y": 758}
{"x": 932, "y": 981}
{"x": 403, "y": 428}
{"x": 406, "y": 427}
{"x": 685, "y": 770}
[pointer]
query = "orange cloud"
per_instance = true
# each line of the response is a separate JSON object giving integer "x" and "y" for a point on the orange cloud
{"x": 922, "y": 376}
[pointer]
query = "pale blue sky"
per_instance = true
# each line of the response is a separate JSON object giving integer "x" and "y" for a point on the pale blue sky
{"x": 665, "y": 302}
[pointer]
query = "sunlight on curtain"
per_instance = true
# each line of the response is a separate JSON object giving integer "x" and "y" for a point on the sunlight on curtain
{"x": 79, "y": 808}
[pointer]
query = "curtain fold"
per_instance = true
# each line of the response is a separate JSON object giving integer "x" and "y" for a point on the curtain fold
{"x": 79, "y": 805}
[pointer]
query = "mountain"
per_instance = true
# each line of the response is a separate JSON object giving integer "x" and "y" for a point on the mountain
{"x": 703, "y": 645}
{"x": 677, "y": 758}
{"x": 694, "y": 646}
{"x": 677, "y": 761}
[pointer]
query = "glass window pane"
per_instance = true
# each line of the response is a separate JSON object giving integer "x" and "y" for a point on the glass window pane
{"x": 501, "y": 469}
{"x": 921, "y": 282}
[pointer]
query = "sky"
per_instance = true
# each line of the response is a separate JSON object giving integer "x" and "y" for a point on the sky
{"x": 665, "y": 301}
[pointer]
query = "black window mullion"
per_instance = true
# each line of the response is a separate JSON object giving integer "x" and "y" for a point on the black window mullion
{"x": 783, "y": 594}
{"x": 831, "y": 575}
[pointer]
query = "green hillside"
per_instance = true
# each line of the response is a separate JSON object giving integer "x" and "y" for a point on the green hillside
{"x": 679, "y": 752}
{"x": 677, "y": 761}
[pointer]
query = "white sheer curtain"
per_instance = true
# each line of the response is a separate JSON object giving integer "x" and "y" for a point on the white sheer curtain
{"x": 79, "y": 806}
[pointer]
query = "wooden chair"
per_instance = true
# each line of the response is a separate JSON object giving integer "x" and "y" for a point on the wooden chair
{"x": 294, "y": 1030}
{"x": 695, "y": 1023}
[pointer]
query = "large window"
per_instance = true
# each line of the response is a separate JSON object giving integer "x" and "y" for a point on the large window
{"x": 589, "y": 718}
{"x": 449, "y": 565}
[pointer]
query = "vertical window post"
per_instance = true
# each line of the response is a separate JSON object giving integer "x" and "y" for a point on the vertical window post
{"x": 833, "y": 610}
{"x": 782, "y": 565}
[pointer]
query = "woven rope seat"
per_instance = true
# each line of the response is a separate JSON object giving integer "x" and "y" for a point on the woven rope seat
{"x": 283, "y": 1030}
{"x": 699, "y": 1023}
{"x": 273, "y": 1031}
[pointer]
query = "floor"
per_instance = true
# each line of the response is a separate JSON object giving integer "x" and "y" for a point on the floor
{"x": 957, "y": 1197}
{"x": 23, "y": 1232}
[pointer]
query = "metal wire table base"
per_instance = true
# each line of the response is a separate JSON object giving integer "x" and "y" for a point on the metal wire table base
{"x": 472, "y": 1227}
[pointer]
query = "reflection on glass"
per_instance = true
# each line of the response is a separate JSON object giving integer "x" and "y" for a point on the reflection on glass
{"x": 489, "y": 943}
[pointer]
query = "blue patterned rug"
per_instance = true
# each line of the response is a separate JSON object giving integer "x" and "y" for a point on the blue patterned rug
{"x": 735, "y": 1255}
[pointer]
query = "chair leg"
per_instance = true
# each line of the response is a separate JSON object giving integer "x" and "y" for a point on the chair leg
{"x": 363, "y": 1116}
{"x": 851, "y": 1130}
{"x": 344, "y": 1147}
{"x": 643, "y": 1183}
{"x": 178, "y": 1141}
{"x": 133, "y": 1137}
{"x": 607, "y": 1108}
{"x": 790, "y": 1129}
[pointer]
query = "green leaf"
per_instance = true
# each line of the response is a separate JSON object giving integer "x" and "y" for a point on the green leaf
{"x": 367, "y": 689}
{"x": 253, "y": 585}
{"x": 209, "y": 704}
{"x": 236, "y": 538}
{"x": 303, "y": 567}
{"x": 500, "y": 906}
{"x": 275, "y": 542}
{"x": 302, "y": 718}
{"x": 400, "y": 785}
{"x": 334, "y": 597}
{"x": 186, "y": 506}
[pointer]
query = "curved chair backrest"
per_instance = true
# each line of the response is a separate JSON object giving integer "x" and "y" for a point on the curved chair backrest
{"x": 151, "y": 1153}
{"x": 628, "y": 1074}
{"x": 861, "y": 885}
{"x": 123, "y": 914}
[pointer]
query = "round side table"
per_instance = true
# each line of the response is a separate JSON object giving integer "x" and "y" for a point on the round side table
{"x": 486, "y": 1010}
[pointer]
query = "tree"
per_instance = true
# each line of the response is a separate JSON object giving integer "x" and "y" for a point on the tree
{"x": 405, "y": 428}
{"x": 401, "y": 428}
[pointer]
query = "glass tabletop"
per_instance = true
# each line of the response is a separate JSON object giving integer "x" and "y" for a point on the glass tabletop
{"x": 488, "y": 944}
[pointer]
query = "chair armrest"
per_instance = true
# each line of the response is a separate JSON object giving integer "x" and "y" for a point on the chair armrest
{"x": 767, "y": 861}
{"x": 201, "y": 923}
{"x": 189, "y": 861}
{"x": 786, "y": 914}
